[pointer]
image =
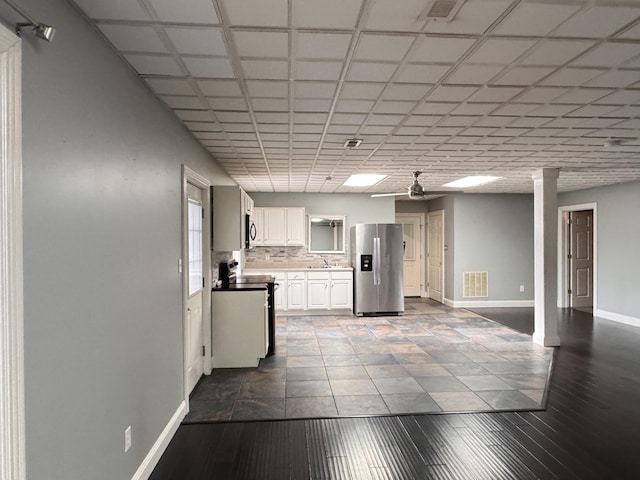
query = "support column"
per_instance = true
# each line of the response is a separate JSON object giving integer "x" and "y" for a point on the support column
{"x": 545, "y": 217}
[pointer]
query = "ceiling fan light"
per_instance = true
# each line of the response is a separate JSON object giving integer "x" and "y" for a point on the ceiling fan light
{"x": 472, "y": 181}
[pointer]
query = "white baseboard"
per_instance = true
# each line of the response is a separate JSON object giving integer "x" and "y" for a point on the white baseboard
{"x": 616, "y": 317}
{"x": 151, "y": 460}
{"x": 488, "y": 303}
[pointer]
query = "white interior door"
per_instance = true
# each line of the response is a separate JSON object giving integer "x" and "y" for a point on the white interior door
{"x": 195, "y": 276}
{"x": 413, "y": 264}
{"x": 435, "y": 254}
{"x": 581, "y": 258}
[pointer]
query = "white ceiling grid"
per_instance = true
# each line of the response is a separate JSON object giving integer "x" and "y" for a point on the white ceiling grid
{"x": 273, "y": 88}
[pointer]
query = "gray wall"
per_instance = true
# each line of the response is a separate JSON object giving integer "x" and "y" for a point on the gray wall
{"x": 618, "y": 255}
{"x": 102, "y": 180}
{"x": 494, "y": 233}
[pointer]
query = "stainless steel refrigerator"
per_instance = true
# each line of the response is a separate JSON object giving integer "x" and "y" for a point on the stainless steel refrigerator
{"x": 376, "y": 258}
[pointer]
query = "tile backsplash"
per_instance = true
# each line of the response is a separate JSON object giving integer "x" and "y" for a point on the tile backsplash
{"x": 280, "y": 256}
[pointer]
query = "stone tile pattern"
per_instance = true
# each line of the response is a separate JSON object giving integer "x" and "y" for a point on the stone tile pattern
{"x": 431, "y": 359}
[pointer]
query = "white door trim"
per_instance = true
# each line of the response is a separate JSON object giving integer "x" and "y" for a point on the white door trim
{"x": 423, "y": 249}
{"x": 12, "y": 434}
{"x": 197, "y": 180}
{"x": 563, "y": 250}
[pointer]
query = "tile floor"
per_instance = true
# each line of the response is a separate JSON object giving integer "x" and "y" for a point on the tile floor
{"x": 431, "y": 359}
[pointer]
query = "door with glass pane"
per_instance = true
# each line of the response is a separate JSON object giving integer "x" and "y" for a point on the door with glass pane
{"x": 195, "y": 291}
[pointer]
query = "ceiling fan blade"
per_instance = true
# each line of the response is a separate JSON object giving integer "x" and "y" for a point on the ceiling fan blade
{"x": 388, "y": 194}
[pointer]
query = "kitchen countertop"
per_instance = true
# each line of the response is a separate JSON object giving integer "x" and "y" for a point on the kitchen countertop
{"x": 253, "y": 282}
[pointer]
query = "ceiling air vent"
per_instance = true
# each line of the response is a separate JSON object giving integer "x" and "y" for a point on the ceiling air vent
{"x": 441, "y": 10}
{"x": 353, "y": 143}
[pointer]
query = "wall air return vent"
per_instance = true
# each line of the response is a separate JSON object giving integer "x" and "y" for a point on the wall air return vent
{"x": 476, "y": 284}
{"x": 441, "y": 10}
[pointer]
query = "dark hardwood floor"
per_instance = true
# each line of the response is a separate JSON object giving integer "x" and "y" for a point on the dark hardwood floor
{"x": 589, "y": 430}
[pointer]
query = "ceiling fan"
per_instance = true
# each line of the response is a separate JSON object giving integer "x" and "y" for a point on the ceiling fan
{"x": 415, "y": 190}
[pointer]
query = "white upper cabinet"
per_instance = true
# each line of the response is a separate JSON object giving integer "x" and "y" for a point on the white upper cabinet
{"x": 230, "y": 205}
{"x": 279, "y": 226}
{"x": 295, "y": 225}
{"x": 273, "y": 226}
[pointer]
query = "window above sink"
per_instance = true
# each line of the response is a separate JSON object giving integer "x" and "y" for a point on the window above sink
{"x": 326, "y": 234}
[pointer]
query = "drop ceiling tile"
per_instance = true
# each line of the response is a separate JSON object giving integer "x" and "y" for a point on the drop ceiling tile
{"x": 394, "y": 106}
{"x": 238, "y": 127}
{"x": 571, "y": 77}
{"x": 451, "y": 93}
{"x": 270, "y": 104}
{"x": 371, "y": 72}
{"x": 608, "y": 55}
{"x": 475, "y": 17}
{"x": 592, "y": 111}
{"x": 625, "y": 112}
{"x": 260, "y": 13}
{"x": 535, "y": 19}
{"x": 128, "y": 38}
{"x": 348, "y": 118}
{"x": 523, "y": 75}
{"x": 228, "y": 103}
{"x": 382, "y": 47}
{"x": 495, "y": 94}
{"x": 194, "y": 115}
{"x": 515, "y": 109}
{"x": 615, "y": 79}
{"x": 170, "y": 86}
{"x": 473, "y": 74}
{"x": 495, "y": 121}
{"x": 556, "y": 52}
{"x": 317, "y": 70}
{"x": 209, "y": 67}
{"x": 268, "y": 88}
{"x": 597, "y": 22}
{"x": 423, "y": 120}
{"x": 354, "y": 106}
{"x": 631, "y": 33}
{"x": 266, "y": 69}
{"x": 314, "y": 14}
{"x": 311, "y": 105}
{"x": 500, "y": 51}
{"x": 314, "y": 89}
{"x": 114, "y": 10}
{"x": 385, "y": 15}
{"x": 203, "y": 126}
{"x": 197, "y": 40}
{"x": 440, "y": 50}
{"x": 274, "y": 117}
{"x": 434, "y": 108}
{"x": 475, "y": 108}
{"x": 154, "y": 64}
{"x": 377, "y": 129}
{"x": 178, "y": 101}
{"x": 220, "y": 88}
{"x": 233, "y": 117}
{"x": 406, "y": 92}
{"x": 541, "y": 94}
{"x": 361, "y": 90}
{"x": 385, "y": 119}
{"x": 421, "y": 73}
{"x": 309, "y": 129}
{"x": 581, "y": 96}
{"x": 193, "y": 11}
{"x": 210, "y": 135}
{"x": 321, "y": 45}
{"x": 624, "y": 97}
{"x": 261, "y": 44}
{"x": 311, "y": 118}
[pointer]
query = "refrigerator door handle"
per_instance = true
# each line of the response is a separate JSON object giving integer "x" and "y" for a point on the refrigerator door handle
{"x": 376, "y": 261}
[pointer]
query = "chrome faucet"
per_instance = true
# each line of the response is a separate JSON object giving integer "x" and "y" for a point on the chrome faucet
{"x": 326, "y": 263}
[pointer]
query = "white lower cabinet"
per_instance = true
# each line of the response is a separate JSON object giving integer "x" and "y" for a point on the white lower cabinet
{"x": 318, "y": 290}
{"x": 341, "y": 290}
{"x": 280, "y": 291}
{"x": 239, "y": 327}
{"x": 296, "y": 291}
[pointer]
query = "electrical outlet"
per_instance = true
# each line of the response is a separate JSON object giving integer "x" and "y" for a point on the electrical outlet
{"x": 127, "y": 439}
{"x": 522, "y": 288}
{"x": 267, "y": 256}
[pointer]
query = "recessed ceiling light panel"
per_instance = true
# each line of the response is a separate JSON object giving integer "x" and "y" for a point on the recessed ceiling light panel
{"x": 472, "y": 181}
{"x": 363, "y": 180}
